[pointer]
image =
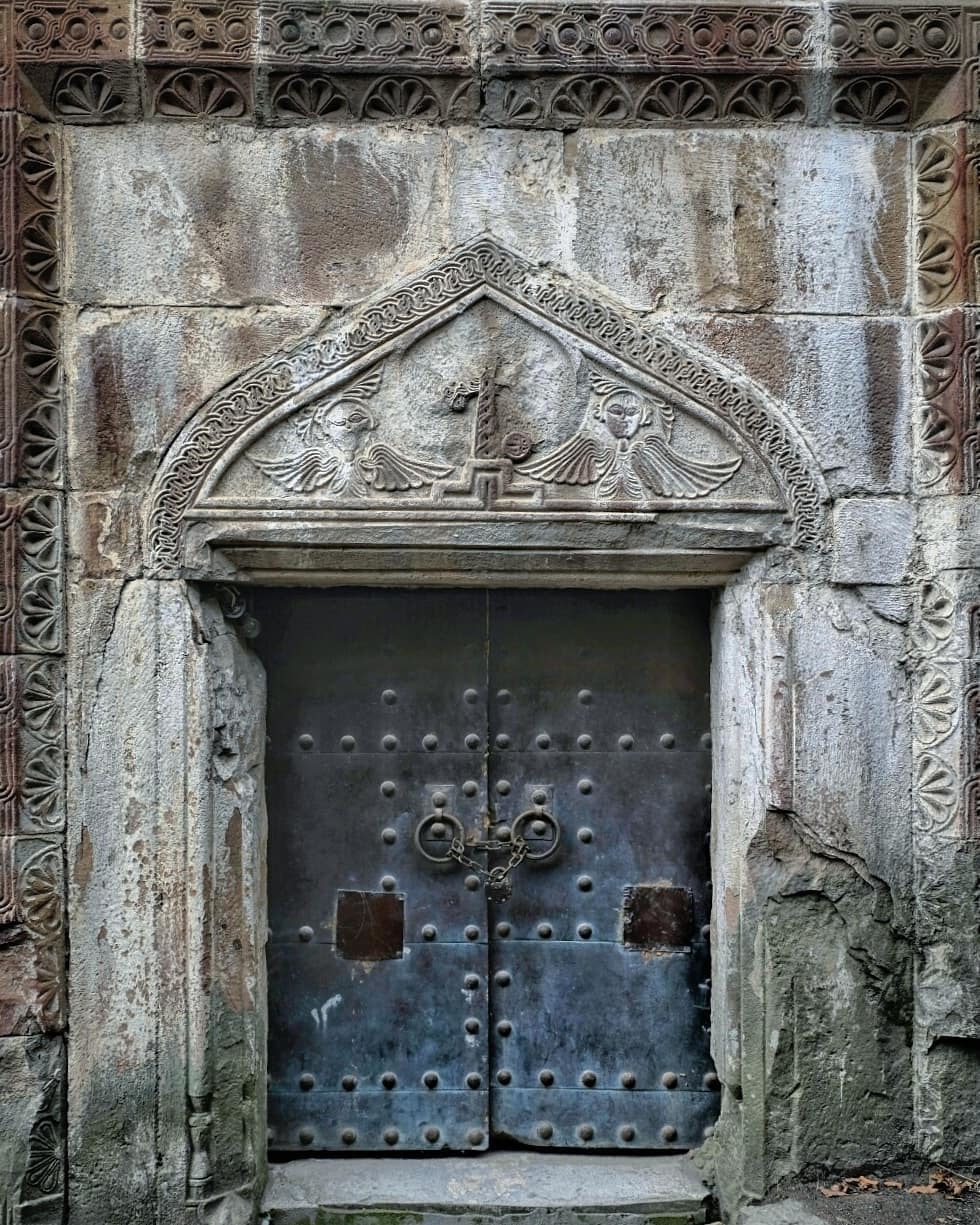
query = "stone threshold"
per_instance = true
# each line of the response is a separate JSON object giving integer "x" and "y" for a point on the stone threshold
{"x": 563, "y": 1189}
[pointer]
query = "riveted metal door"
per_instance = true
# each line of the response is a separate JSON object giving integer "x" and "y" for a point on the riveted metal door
{"x": 377, "y": 956}
{"x": 599, "y": 711}
{"x": 431, "y": 753}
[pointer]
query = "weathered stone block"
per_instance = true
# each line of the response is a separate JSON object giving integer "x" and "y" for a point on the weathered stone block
{"x": 806, "y": 220}
{"x": 212, "y": 215}
{"x": 873, "y": 540}
{"x": 136, "y": 375}
{"x": 841, "y": 378}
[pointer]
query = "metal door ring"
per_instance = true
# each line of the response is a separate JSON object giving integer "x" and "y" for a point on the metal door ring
{"x": 534, "y": 815}
{"x": 454, "y": 830}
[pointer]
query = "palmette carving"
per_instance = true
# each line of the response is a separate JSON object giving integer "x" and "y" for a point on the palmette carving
{"x": 338, "y": 456}
{"x": 624, "y": 452}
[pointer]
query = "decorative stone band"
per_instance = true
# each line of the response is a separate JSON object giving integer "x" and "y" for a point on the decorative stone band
{"x": 216, "y": 427}
{"x": 289, "y": 61}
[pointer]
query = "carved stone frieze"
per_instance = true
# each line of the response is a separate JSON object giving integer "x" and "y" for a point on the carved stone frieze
{"x": 896, "y": 36}
{"x": 481, "y": 412}
{"x": 31, "y": 614}
{"x": 197, "y": 31}
{"x": 948, "y": 416}
{"x": 32, "y": 971}
{"x": 30, "y": 196}
{"x": 31, "y": 411}
{"x": 32, "y": 745}
{"x": 73, "y": 31}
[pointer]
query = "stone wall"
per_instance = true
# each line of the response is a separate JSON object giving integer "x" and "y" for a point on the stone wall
{"x": 214, "y": 213}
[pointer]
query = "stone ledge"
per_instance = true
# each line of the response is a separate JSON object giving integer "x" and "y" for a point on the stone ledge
{"x": 498, "y": 1186}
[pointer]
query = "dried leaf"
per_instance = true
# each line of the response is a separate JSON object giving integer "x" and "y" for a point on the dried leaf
{"x": 862, "y": 1182}
{"x": 920, "y": 1190}
{"x": 835, "y": 1190}
{"x": 894, "y": 1182}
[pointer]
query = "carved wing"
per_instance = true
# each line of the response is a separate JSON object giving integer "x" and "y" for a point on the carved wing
{"x": 579, "y": 461}
{"x": 387, "y": 469}
{"x": 299, "y": 473}
{"x": 666, "y": 472}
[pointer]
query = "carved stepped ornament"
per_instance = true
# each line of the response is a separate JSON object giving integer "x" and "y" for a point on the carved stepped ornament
{"x": 486, "y": 390}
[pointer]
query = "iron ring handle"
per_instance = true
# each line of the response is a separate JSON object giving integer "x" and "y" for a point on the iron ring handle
{"x": 537, "y": 814}
{"x": 439, "y": 818}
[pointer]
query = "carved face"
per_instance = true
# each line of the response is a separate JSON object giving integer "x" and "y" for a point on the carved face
{"x": 344, "y": 423}
{"x": 623, "y": 415}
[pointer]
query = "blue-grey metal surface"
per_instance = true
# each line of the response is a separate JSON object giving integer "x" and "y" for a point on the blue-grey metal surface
{"x": 442, "y": 714}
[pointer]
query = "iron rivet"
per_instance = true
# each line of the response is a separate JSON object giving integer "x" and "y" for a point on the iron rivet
{"x": 390, "y": 743}
{"x": 389, "y": 836}
{"x": 505, "y": 1029}
{"x": 474, "y": 1081}
{"x": 470, "y": 789}
{"x": 270, "y": 1134}
{"x": 504, "y": 833}
{"x": 502, "y": 741}
{"x": 349, "y": 1083}
{"x": 391, "y": 1136}
{"x": 539, "y": 797}
{"x": 472, "y": 742}
{"x": 667, "y": 741}
{"x": 348, "y": 743}
{"x": 430, "y": 1080}
{"x": 706, "y": 740}
{"x": 585, "y": 834}
{"x": 432, "y": 1134}
{"x": 707, "y": 788}
{"x": 712, "y": 1082}
{"x": 627, "y": 1133}
{"x": 472, "y": 932}
{"x": 585, "y": 696}
{"x": 545, "y": 1131}
{"x": 306, "y": 1135}
{"x": 669, "y": 1080}
{"x": 584, "y": 883}
{"x": 586, "y": 1131}
{"x": 438, "y": 830}
{"x": 504, "y": 696}
{"x": 503, "y": 929}
{"x": 306, "y": 934}
{"x": 504, "y": 1077}
{"x": 626, "y": 742}
{"x": 669, "y": 1134}
{"x": 585, "y": 742}
{"x": 502, "y": 978}
{"x": 389, "y": 1080}
{"x": 472, "y": 882}
{"x": 472, "y": 1025}
{"x": 307, "y": 1081}
{"x": 706, "y": 932}
{"x": 474, "y": 1137}
{"x": 539, "y": 828}
{"x": 628, "y": 1080}
{"x": 585, "y": 931}
{"x": 429, "y": 932}
{"x": 439, "y": 799}
{"x": 306, "y": 741}
{"x": 388, "y": 883}
{"x": 389, "y": 697}
{"x": 388, "y": 789}
{"x": 585, "y": 786}
{"x": 546, "y": 1077}
{"x": 708, "y": 1132}
{"x": 503, "y": 787}
{"x": 471, "y": 696}
{"x": 544, "y": 742}
{"x": 589, "y": 1079}
{"x": 349, "y": 1135}
{"x": 471, "y": 982}
{"x": 430, "y": 742}
{"x": 545, "y": 931}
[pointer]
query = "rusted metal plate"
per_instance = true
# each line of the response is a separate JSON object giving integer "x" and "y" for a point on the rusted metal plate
{"x": 369, "y": 926}
{"x": 657, "y": 916}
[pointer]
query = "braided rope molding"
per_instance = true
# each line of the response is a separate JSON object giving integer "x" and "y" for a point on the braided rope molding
{"x": 481, "y": 264}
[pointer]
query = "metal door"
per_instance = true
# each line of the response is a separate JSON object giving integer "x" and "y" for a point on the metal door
{"x": 429, "y": 754}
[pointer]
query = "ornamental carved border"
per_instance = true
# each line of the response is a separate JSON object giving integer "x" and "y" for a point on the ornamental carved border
{"x": 530, "y": 64}
{"x": 214, "y": 430}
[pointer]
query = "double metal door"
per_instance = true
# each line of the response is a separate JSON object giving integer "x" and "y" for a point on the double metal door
{"x": 488, "y": 820}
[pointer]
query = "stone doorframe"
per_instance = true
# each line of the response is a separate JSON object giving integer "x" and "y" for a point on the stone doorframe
{"x": 167, "y": 826}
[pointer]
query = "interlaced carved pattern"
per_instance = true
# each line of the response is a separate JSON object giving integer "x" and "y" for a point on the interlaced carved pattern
{"x": 483, "y": 264}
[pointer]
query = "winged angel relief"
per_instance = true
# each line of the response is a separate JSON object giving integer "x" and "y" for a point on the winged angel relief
{"x": 336, "y": 455}
{"x": 611, "y": 453}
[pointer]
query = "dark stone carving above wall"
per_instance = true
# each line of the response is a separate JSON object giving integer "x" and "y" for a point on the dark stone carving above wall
{"x": 519, "y": 64}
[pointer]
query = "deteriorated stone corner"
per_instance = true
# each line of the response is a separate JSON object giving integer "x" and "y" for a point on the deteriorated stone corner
{"x": 212, "y": 217}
